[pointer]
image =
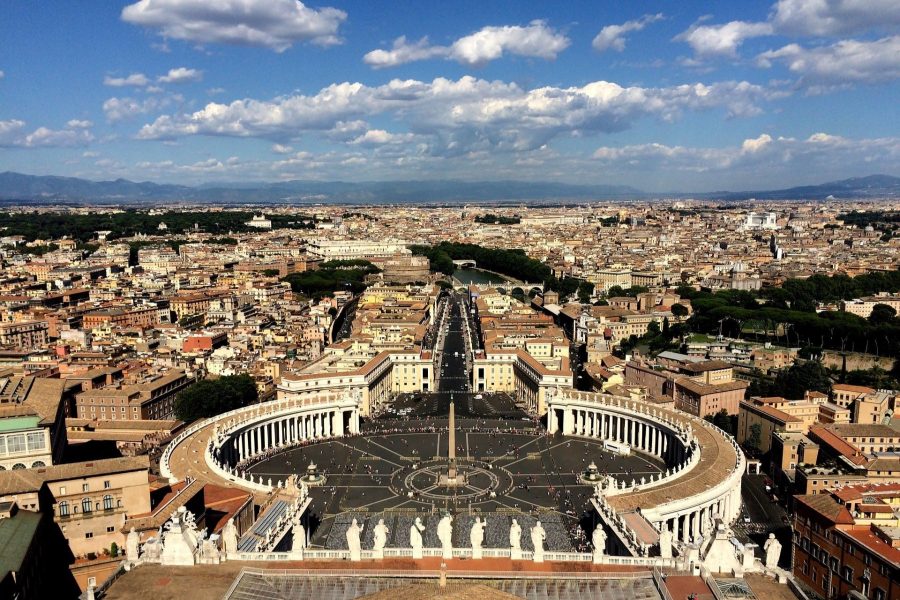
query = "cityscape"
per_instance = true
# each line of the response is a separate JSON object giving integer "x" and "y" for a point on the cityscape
{"x": 542, "y": 301}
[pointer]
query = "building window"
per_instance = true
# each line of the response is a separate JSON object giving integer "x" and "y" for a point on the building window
{"x": 15, "y": 443}
{"x": 64, "y": 509}
{"x": 88, "y": 535}
{"x": 110, "y": 529}
{"x": 107, "y": 502}
{"x": 36, "y": 440}
{"x": 106, "y": 484}
{"x": 847, "y": 574}
{"x": 85, "y": 487}
{"x": 86, "y": 505}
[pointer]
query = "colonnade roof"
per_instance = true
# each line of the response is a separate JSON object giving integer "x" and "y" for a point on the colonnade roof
{"x": 718, "y": 458}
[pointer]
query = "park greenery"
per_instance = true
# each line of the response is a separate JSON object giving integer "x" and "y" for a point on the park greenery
{"x": 332, "y": 276}
{"x": 84, "y": 227}
{"x": 617, "y": 291}
{"x": 793, "y": 382}
{"x": 787, "y": 314}
{"x": 513, "y": 263}
{"x": 211, "y": 397}
{"x": 724, "y": 421}
{"x": 492, "y": 219}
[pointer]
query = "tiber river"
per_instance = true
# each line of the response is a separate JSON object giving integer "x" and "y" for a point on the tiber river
{"x": 477, "y": 276}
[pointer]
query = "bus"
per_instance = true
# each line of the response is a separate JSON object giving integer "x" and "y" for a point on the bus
{"x": 617, "y": 448}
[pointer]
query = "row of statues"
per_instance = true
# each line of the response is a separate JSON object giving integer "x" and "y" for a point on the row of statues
{"x": 445, "y": 535}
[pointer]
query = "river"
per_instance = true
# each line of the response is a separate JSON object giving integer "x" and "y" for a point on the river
{"x": 477, "y": 276}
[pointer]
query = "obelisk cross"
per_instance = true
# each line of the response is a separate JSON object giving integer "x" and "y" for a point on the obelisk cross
{"x": 451, "y": 471}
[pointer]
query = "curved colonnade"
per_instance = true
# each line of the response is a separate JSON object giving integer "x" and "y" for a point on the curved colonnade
{"x": 701, "y": 483}
{"x": 247, "y": 433}
{"x": 705, "y": 464}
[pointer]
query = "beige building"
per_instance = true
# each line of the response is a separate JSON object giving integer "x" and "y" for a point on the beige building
{"x": 150, "y": 399}
{"x": 768, "y": 420}
{"x": 24, "y": 334}
{"x": 32, "y": 422}
{"x": 90, "y": 500}
{"x": 862, "y": 307}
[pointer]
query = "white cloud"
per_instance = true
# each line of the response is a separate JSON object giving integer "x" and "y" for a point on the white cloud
{"x": 281, "y": 149}
{"x": 722, "y": 40}
{"x": 13, "y": 133}
{"x": 121, "y": 109}
{"x": 613, "y": 36}
{"x": 380, "y": 137}
{"x": 2, "y": 74}
{"x": 403, "y": 52}
{"x": 835, "y": 17}
{"x": 274, "y": 24}
{"x": 460, "y": 115}
{"x": 756, "y": 144}
{"x": 181, "y": 75}
{"x": 778, "y": 157}
{"x": 840, "y": 64}
{"x": 79, "y": 124}
{"x": 135, "y": 79}
{"x": 536, "y": 40}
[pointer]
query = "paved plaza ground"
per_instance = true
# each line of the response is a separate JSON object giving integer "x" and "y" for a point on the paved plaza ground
{"x": 513, "y": 469}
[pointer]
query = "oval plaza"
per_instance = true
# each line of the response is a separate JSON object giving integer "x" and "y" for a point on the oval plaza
{"x": 403, "y": 456}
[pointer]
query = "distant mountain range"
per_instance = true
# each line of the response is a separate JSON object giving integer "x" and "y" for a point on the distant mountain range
{"x": 872, "y": 186}
{"x": 18, "y": 188}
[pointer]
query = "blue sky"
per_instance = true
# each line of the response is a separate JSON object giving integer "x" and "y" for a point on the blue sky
{"x": 659, "y": 95}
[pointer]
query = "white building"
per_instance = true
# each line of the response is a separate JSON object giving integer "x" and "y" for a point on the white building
{"x": 762, "y": 220}
{"x": 260, "y": 222}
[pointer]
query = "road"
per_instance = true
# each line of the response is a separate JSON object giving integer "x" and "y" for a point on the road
{"x": 765, "y": 516}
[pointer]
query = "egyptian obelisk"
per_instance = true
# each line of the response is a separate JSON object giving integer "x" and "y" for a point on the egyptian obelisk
{"x": 451, "y": 471}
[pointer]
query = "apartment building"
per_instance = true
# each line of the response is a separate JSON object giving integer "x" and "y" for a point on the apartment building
{"x": 150, "y": 398}
{"x": 847, "y": 542}
{"x": 24, "y": 334}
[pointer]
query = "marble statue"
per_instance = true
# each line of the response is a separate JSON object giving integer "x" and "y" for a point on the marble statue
{"x": 599, "y": 540}
{"x": 476, "y": 536}
{"x": 772, "y": 548}
{"x": 132, "y": 543}
{"x": 298, "y": 537}
{"x": 151, "y": 550}
{"x": 665, "y": 543}
{"x": 515, "y": 540}
{"x": 380, "y": 538}
{"x": 415, "y": 537}
{"x": 538, "y": 535}
{"x": 180, "y": 540}
{"x": 229, "y": 537}
{"x": 445, "y": 535}
{"x": 353, "y": 543}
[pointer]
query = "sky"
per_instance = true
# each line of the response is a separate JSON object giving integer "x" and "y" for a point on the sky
{"x": 662, "y": 96}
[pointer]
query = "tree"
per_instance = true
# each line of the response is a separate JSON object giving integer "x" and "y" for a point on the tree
{"x": 723, "y": 421}
{"x": 665, "y": 326}
{"x": 212, "y": 397}
{"x": 679, "y": 310}
{"x": 794, "y": 382}
{"x": 882, "y": 313}
{"x": 755, "y": 438}
{"x": 585, "y": 291}
{"x": 114, "y": 550}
